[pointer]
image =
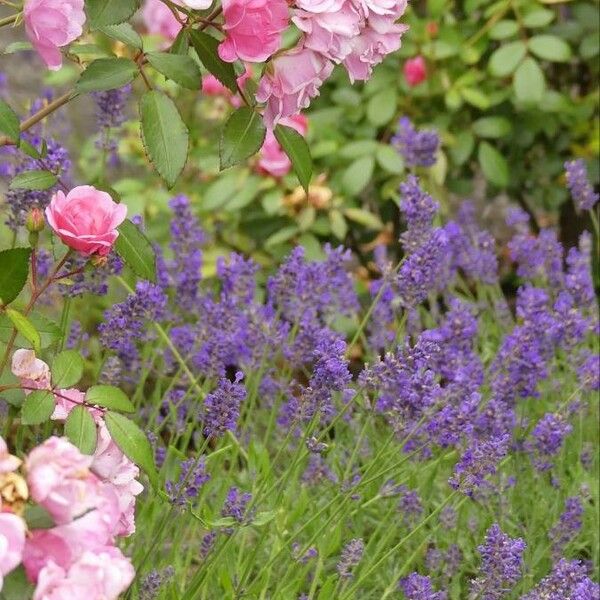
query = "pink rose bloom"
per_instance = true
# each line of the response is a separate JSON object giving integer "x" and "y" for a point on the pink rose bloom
{"x": 67, "y": 400}
{"x": 100, "y": 575}
{"x": 52, "y": 24}
{"x": 12, "y": 543}
{"x": 320, "y": 6}
{"x": 382, "y": 7}
{"x": 159, "y": 20}
{"x": 64, "y": 543}
{"x": 415, "y": 70}
{"x": 114, "y": 468}
{"x": 330, "y": 33}
{"x": 380, "y": 38}
{"x": 8, "y": 462}
{"x": 252, "y": 29}
{"x": 273, "y": 160}
{"x": 86, "y": 219}
{"x": 32, "y": 371}
{"x": 295, "y": 77}
{"x": 211, "y": 86}
{"x": 59, "y": 479}
{"x": 197, "y": 4}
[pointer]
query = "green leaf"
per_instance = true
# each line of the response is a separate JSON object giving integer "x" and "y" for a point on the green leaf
{"x": 242, "y": 137}
{"x": 109, "y": 396}
{"x": 206, "y": 49}
{"x": 164, "y": 134}
{"x": 25, "y": 327}
{"x": 364, "y": 217}
{"x": 529, "y": 83}
{"x": 389, "y": 159}
{"x": 16, "y": 585}
{"x": 110, "y": 12}
{"x": 106, "y": 74}
{"x": 357, "y": 175}
{"x": 38, "y": 517}
{"x": 538, "y": 18}
{"x": 505, "y": 59}
{"x": 133, "y": 443}
{"x": 381, "y": 108}
{"x": 282, "y": 235}
{"x": 550, "y": 47}
{"x": 33, "y": 180}
{"x": 66, "y": 369}
{"x": 493, "y": 165}
{"x": 37, "y": 407}
{"x": 49, "y": 332}
{"x": 136, "y": 250}
{"x": 14, "y": 270}
{"x": 123, "y": 32}
{"x": 295, "y": 146}
{"x": 492, "y": 127}
{"x": 81, "y": 430}
{"x": 463, "y": 147}
{"x": 504, "y": 29}
{"x": 182, "y": 69}
{"x": 9, "y": 122}
{"x": 181, "y": 45}
{"x": 475, "y": 97}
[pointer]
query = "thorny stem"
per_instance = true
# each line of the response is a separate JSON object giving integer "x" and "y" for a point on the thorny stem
{"x": 9, "y": 20}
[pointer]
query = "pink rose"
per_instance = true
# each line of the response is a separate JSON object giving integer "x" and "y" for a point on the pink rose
{"x": 114, "y": 468}
{"x": 159, "y": 19}
{"x": 51, "y": 24}
{"x": 330, "y": 33}
{"x": 60, "y": 480}
{"x": 197, "y": 4}
{"x": 86, "y": 219}
{"x": 273, "y": 160}
{"x": 253, "y": 29}
{"x": 295, "y": 77}
{"x": 379, "y": 38}
{"x": 320, "y": 6}
{"x": 32, "y": 371}
{"x": 415, "y": 70}
{"x": 382, "y": 7}
{"x": 12, "y": 543}
{"x": 8, "y": 462}
{"x": 100, "y": 575}
{"x": 211, "y": 86}
{"x": 67, "y": 400}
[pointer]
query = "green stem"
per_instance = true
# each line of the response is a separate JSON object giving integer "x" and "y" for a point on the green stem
{"x": 9, "y": 20}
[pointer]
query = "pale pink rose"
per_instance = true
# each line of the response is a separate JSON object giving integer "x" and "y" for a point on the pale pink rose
{"x": 86, "y": 219}
{"x": 52, "y": 24}
{"x": 320, "y": 6}
{"x": 273, "y": 160}
{"x": 330, "y": 33}
{"x": 415, "y": 70}
{"x": 197, "y": 4}
{"x": 382, "y": 7}
{"x": 211, "y": 86}
{"x": 100, "y": 575}
{"x": 60, "y": 480}
{"x": 380, "y": 38}
{"x": 67, "y": 400}
{"x": 8, "y": 462}
{"x": 253, "y": 29}
{"x": 159, "y": 19}
{"x": 32, "y": 371}
{"x": 64, "y": 543}
{"x": 293, "y": 79}
{"x": 116, "y": 470}
{"x": 12, "y": 543}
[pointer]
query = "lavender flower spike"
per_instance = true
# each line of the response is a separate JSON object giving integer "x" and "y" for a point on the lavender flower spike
{"x": 582, "y": 191}
{"x": 418, "y": 148}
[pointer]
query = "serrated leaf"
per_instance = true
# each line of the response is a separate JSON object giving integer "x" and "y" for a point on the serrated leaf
{"x": 14, "y": 270}
{"x": 33, "y": 180}
{"x": 49, "y": 331}
{"x": 25, "y": 327}
{"x": 529, "y": 82}
{"x": 182, "y": 69}
{"x": 493, "y": 165}
{"x": 206, "y": 49}
{"x": 123, "y": 32}
{"x": 550, "y": 47}
{"x": 136, "y": 250}
{"x": 66, "y": 369}
{"x": 164, "y": 134}
{"x": 133, "y": 443}
{"x": 505, "y": 59}
{"x": 37, "y": 407}
{"x": 80, "y": 429}
{"x": 110, "y": 397}
{"x": 110, "y": 12}
{"x": 9, "y": 122}
{"x": 106, "y": 74}
{"x": 295, "y": 146}
{"x": 242, "y": 137}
